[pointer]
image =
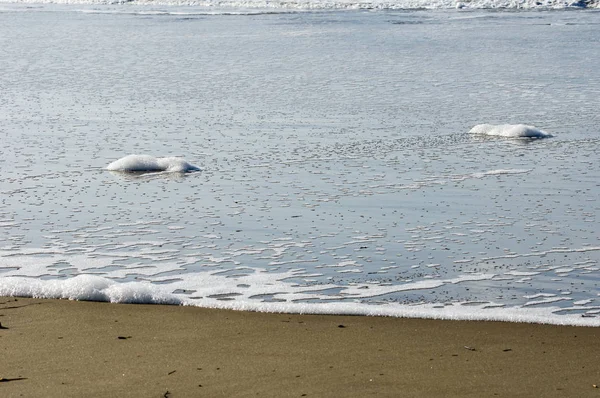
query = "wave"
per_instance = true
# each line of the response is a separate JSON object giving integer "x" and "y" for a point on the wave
{"x": 97, "y": 288}
{"x": 338, "y": 4}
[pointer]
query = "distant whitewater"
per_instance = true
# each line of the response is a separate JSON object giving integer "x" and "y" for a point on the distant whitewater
{"x": 510, "y": 131}
{"x": 342, "y": 4}
{"x": 147, "y": 163}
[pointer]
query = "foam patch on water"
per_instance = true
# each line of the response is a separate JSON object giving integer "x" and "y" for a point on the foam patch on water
{"x": 500, "y": 172}
{"x": 96, "y": 288}
{"x": 147, "y": 163}
{"x": 509, "y": 130}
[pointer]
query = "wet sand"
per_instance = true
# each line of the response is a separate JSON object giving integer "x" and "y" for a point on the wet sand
{"x": 59, "y": 348}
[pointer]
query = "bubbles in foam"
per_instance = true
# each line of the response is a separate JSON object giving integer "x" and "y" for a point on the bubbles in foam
{"x": 87, "y": 288}
{"x": 509, "y": 130}
{"x": 147, "y": 163}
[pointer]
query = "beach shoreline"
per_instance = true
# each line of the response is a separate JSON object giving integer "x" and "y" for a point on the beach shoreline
{"x": 64, "y": 348}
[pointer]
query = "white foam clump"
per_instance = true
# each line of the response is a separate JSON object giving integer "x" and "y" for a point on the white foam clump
{"x": 147, "y": 163}
{"x": 509, "y": 130}
{"x": 87, "y": 288}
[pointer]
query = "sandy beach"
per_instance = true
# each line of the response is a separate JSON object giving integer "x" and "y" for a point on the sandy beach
{"x": 59, "y": 348}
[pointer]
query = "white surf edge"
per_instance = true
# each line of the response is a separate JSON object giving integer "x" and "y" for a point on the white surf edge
{"x": 96, "y": 288}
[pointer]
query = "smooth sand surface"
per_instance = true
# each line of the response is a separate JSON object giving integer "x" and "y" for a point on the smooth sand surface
{"x": 59, "y": 348}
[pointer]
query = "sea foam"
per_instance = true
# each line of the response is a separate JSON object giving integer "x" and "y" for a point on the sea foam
{"x": 147, "y": 163}
{"x": 97, "y": 288}
{"x": 509, "y": 130}
{"x": 87, "y": 288}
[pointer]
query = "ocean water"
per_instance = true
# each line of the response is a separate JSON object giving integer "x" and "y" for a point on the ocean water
{"x": 337, "y": 172}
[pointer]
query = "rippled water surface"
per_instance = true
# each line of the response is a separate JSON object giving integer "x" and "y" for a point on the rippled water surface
{"x": 338, "y": 174}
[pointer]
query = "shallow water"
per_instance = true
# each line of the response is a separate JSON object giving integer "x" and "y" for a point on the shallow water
{"x": 338, "y": 174}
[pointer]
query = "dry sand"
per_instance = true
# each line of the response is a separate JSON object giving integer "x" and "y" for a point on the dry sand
{"x": 59, "y": 348}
